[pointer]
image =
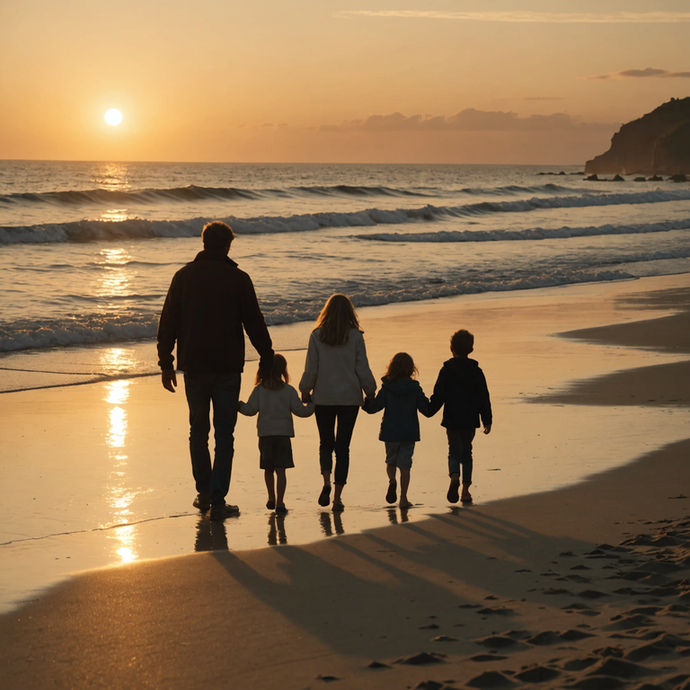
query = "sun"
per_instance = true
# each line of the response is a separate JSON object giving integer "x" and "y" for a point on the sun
{"x": 113, "y": 117}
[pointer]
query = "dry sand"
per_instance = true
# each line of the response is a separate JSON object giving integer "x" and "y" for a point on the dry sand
{"x": 582, "y": 586}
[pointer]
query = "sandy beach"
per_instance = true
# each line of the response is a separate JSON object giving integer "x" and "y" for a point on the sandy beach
{"x": 570, "y": 570}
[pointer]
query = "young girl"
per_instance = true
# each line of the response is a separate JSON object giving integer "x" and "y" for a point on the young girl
{"x": 275, "y": 401}
{"x": 400, "y": 397}
{"x": 335, "y": 373}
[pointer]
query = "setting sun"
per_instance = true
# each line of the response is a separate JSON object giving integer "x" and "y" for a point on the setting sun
{"x": 113, "y": 117}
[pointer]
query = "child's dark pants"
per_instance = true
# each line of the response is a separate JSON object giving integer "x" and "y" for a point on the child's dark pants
{"x": 460, "y": 453}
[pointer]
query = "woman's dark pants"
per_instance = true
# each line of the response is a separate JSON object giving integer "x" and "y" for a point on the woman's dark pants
{"x": 335, "y": 424}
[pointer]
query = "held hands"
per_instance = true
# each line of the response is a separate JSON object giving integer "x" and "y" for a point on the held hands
{"x": 306, "y": 397}
{"x": 487, "y": 428}
{"x": 169, "y": 380}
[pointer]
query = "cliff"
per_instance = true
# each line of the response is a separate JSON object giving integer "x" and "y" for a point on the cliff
{"x": 659, "y": 143}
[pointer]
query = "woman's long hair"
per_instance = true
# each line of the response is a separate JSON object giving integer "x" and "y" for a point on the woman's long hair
{"x": 336, "y": 319}
{"x": 274, "y": 378}
{"x": 401, "y": 366}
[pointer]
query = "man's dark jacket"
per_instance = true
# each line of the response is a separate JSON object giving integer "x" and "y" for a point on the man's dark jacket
{"x": 462, "y": 392}
{"x": 209, "y": 302}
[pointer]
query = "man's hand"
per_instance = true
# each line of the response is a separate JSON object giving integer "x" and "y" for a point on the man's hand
{"x": 169, "y": 380}
{"x": 306, "y": 397}
{"x": 487, "y": 428}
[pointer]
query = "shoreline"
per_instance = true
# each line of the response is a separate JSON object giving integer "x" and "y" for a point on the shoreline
{"x": 86, "y": 363}
{"x": 331, "y": 607}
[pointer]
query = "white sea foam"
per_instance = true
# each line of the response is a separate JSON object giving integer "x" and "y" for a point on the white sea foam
{"x": 98, "y": 328}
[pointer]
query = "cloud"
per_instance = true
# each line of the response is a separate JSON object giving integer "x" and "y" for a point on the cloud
{"x": 468, "y": 120}
{"x": 647, "y": 73}
{"x": 520, "y": 17}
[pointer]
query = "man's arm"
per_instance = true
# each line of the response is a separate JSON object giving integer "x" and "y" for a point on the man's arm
{"x": 255, "y": 325}
{"x": 167, "y": 335}
{"x": 169, "y": 380}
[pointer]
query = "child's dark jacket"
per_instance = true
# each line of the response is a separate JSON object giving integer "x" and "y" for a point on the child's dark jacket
{"x": 400, "y": 399}
{"x": 462, "y": 392}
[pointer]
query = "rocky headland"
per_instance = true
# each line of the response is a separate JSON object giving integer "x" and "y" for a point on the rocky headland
{"x": 657, "y": 143}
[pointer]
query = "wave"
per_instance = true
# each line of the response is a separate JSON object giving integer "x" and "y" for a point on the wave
{"x": 107, "y": 197}
{"x": 564, "y": 232}
{"x": 135, "y": 228}
{"x": 90, "y": 329}
{"x": 195, "y": 193}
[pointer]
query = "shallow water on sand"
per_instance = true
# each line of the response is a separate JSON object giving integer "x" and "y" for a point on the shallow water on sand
{"x": 98, "y": 475}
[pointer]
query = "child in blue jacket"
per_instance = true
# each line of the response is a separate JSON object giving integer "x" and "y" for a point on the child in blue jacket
{"x": 401, "y": 397}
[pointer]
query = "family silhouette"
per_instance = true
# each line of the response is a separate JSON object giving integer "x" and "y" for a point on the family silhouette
{"x": 209, "y": 307}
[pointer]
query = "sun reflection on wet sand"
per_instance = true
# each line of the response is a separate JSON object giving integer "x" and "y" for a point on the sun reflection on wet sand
{"x": 119, "y": 495}
{"x": 126, "y": 543}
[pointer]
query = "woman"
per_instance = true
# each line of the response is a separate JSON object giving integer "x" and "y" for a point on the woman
{"x": 335, "y": 373}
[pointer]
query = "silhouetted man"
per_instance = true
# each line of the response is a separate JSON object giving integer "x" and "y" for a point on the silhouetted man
{"x": 209, "y": 303}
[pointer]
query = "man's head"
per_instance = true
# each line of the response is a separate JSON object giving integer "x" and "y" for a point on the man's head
{"x": 217, "y": 236}
{"x": 462, "y": 343}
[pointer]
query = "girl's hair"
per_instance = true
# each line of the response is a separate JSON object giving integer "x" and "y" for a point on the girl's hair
{"x": 400, "y": 367}
{"x": 274, "y": 378}
{"x": 336, "y": 319}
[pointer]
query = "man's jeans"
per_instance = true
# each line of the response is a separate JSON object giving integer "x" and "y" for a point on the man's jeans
{"x": 223, "y": 390}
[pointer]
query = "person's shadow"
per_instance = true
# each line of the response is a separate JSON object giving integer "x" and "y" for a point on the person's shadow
{"x": 393, "y": 515}
{"x": 328, "y": 525}
{"x": 210, "y": 535}
{"x": 276, "y": 530}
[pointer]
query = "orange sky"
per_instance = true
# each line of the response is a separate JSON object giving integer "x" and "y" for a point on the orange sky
{"x": 452, "y": 81}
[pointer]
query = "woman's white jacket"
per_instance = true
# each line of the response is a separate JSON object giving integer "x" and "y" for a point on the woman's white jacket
{"x": 336, "y": 375}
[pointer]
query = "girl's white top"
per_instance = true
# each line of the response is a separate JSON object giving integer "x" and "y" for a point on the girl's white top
{"x": 336, "y": 375}
{"x": 275, "y": 410}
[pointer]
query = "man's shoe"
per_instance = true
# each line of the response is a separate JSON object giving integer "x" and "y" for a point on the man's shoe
{"x": 220, "y": 511}
{"x": 202, "y": 502}
{"x": 281, "y": 509}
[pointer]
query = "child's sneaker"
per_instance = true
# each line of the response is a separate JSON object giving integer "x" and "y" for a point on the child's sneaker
{"x": 392, "y": 495}
{"x": 452, "y": 494}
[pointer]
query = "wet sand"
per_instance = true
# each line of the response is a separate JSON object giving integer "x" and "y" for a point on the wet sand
{"x": 582, "y": 584}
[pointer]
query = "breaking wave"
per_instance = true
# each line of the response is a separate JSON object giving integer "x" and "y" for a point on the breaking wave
{"x": 136, "y": 228}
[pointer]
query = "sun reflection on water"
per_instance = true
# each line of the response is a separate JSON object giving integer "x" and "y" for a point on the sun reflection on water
{"x": 115, "y": 215}
{"x": 115, "y": 280}
{"x": 112, "y": 176}
{"x": 116, "y": 361}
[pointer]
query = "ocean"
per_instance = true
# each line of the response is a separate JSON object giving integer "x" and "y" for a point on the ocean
{"x": 87, "y": 249}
